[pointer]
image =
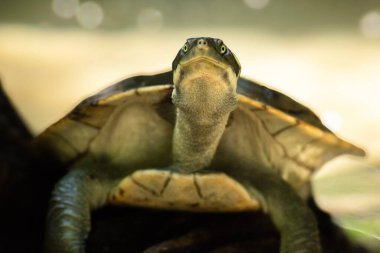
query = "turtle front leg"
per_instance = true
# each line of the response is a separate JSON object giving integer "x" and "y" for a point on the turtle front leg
{"x": 68, "y": 221}
{"x": 292, "y": 217}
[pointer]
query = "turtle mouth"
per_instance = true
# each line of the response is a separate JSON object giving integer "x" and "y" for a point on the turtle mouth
{"x": 205, "y": 58}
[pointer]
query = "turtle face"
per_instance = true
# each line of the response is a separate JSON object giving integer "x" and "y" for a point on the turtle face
{"x": 205, "y": 74}
{"x": 211, "y": 49}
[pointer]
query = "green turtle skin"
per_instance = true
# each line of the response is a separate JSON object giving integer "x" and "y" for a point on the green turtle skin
{"x": 197, "y": 138}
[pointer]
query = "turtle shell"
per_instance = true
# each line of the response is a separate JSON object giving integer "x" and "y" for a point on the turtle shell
{"x": 299, "y": 143}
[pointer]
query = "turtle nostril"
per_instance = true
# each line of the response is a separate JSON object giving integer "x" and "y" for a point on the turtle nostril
{"x": 202, "y": 42}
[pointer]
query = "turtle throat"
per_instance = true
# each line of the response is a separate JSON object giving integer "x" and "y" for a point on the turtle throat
{"x": 203, "y": 105}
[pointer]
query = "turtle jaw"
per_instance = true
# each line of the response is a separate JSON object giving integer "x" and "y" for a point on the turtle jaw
{"x": 219, "y": 64}
{"x": 205, "y": 89}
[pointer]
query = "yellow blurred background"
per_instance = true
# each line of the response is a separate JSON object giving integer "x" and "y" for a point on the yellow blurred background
{"x": 325, "y": 54}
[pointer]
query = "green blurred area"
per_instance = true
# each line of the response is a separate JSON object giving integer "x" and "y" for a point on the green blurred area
{"x": 352, "y": 195}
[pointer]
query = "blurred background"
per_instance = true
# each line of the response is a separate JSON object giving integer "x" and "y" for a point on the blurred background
{"x": 325, "y": 54}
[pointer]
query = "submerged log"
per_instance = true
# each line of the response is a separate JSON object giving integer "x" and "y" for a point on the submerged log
{"x": 27, "y": 177}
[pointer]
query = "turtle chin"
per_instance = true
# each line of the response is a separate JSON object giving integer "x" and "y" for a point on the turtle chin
{"x": 204, "y": 91}
{"x": 205, "y": 100}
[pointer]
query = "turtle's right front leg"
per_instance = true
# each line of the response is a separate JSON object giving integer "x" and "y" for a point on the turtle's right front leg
{"x": 68, "y": 221}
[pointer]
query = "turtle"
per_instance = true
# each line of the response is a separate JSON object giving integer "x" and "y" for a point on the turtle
{"x": 197, "y": 138}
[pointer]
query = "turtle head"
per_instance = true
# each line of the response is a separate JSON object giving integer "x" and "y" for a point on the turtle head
{"x": 205, "y": 74}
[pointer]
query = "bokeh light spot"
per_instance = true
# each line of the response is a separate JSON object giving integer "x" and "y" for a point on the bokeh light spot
{"x": 256, "y": 4}
{"x": 89, "y": 15}
{"x": 65, "y": 8}
{"x": 332, "y": 120}
{"x": 150, "y": 20}
{"x": 370, "y": 24}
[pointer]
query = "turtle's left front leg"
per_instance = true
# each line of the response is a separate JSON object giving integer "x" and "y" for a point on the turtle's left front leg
{"x": 68, "y": 221}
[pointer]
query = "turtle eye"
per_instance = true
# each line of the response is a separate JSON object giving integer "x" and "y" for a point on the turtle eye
{"x": 223, "y": 49}
{"x": 185, "y": 48}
